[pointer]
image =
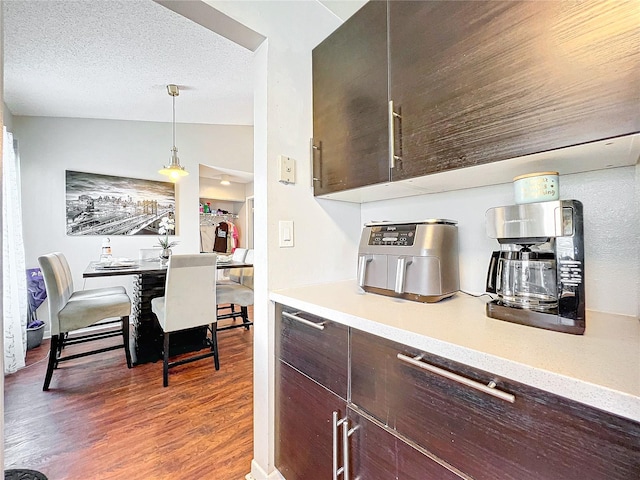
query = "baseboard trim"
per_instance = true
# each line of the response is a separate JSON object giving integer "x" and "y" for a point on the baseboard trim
{"x": 257, "y": 473}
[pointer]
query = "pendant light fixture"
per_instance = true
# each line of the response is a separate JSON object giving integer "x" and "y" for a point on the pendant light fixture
{"x": 174, "y": 170}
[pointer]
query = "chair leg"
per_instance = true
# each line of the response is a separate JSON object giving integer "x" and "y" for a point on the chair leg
{"x": 61, "y": 342}
{"x": 245, "y": 316}
{"x": 53, "y": 357}
{"x": 214, "y": 344}
{"x": 165, "y": 361}
{"x": 125, "y": 339}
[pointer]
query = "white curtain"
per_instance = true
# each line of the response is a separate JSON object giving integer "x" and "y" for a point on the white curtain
{"x": 14, "y": 279}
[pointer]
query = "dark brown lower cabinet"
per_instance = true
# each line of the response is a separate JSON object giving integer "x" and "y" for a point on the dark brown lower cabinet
{"x": 406, "y": 421}
{"x": 376, "y": 454}
{"x": 538, "y": 436}
{"x": 304, "y": 426}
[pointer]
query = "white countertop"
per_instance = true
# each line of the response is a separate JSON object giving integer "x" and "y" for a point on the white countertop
{"x": 600, "y": 368}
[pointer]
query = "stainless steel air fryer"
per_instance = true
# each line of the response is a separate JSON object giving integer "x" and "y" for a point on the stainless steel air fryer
{"x": 538, "y": 273}
{"x": 416, "y": 260}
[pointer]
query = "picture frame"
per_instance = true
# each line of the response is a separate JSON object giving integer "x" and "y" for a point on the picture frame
{"x": 98, "y": 204}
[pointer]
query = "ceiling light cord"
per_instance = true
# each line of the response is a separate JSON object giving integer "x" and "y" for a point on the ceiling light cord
{"x": 174, "y": 122}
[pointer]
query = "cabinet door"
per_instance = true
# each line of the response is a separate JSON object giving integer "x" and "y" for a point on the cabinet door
{"x": 538, "y": 436}
{"x": 350, "y": 103}
{"x": 303, "y": 426}
{"x": 483, "y": 81}
{"x": 315, "y": 346}
{"x": 377, "y": 454}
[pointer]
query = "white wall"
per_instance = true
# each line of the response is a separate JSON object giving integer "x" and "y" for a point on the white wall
{"x": 321, "y": 227}
{"x": 49, "y": 146}
{"x": 7, "y": 117}
{"x": 612, "y": 229}
{"x": 210, "y": 188}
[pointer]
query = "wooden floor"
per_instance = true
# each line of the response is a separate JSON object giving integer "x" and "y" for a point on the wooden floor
{"x": 102, "y": 421}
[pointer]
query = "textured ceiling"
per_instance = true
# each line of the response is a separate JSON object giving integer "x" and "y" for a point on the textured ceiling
{"x": 112, "y": 59}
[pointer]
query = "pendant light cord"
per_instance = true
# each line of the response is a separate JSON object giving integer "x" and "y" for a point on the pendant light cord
{"x": 174, "y": 121}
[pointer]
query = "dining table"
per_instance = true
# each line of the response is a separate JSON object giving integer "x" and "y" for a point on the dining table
{"x": 149, "y": 283}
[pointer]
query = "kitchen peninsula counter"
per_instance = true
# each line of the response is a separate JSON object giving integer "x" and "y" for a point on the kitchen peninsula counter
{"x": 600, "y": 368}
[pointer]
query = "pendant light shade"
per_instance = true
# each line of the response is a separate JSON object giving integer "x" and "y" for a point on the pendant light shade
{"x": 174, "y": 170}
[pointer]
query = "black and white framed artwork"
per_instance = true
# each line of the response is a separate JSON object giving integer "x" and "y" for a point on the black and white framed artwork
{"x": 109, "y": 205}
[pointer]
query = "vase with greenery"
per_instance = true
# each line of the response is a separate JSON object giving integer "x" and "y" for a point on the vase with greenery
{"x": 167, "y": 226}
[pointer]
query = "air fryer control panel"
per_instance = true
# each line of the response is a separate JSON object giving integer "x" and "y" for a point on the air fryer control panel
{"x": 395, "y": 235}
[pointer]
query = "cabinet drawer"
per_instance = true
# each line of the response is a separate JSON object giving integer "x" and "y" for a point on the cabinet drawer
{"x": 315, "y": 346}
{"x": 377, "y": 454}
{"x": 538, "y": 436}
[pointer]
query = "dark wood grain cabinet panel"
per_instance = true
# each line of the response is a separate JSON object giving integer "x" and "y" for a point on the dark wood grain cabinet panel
{"x": 539, "y": 436}
{"x": 303, "y": 425}
{"x": 377, "y": 454}
{"x": 474, "y": 82}
{"x": 320, "y": 350}
{"x": 483, "y": 81}
{"x": 350, "y": 103}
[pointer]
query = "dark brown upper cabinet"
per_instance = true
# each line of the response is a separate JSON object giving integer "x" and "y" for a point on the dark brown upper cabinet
{"x": 470, "y": 82}
{"x": 480, "y": 82}
{"x": 350, "y": 129}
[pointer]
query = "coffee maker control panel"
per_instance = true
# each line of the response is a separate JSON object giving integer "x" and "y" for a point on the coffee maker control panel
{"x": 394, "y": 235}
{"x": 570, "y": 272}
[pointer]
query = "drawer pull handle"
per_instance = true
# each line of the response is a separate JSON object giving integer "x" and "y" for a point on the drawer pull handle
{"x": 489, "y": 389}
{"x": 317, "y": 326}
{"x": 346, "y": 433}
{"x": 344, "y": 469}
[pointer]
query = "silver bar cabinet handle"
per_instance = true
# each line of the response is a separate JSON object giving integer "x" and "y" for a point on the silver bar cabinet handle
{"x": 363, "y": 261}
{"x": 489, "y": 389}
{"x": 334, "y": 437}
{"x": 346, "y": 433}
{"x": 401, "y": 270}
{"x": 392, "y": 135}
{"x": 317, "y": 326}
{"x": 315, "y": 148}
{"x": 345, "y": 437}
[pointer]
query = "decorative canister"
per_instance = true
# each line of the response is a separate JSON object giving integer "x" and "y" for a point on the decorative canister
{"x": 536, "y": 187}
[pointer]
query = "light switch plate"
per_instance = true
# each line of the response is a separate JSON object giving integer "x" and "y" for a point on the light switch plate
{"x": 286, "y": 233}
{"x": 286, "y": 169}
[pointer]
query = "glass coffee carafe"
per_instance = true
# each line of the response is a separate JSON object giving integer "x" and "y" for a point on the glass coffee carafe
{"x": 527, "y": 279}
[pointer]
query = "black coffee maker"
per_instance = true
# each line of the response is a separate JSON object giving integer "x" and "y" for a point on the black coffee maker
{"x": 538, "y": 273}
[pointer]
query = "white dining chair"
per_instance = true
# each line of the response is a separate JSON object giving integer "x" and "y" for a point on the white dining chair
{"x": 238, "y": 255}
{"x": 71, "y": 310}
{"x": 237, "y": 292}
{"x": 189, "y": 301}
